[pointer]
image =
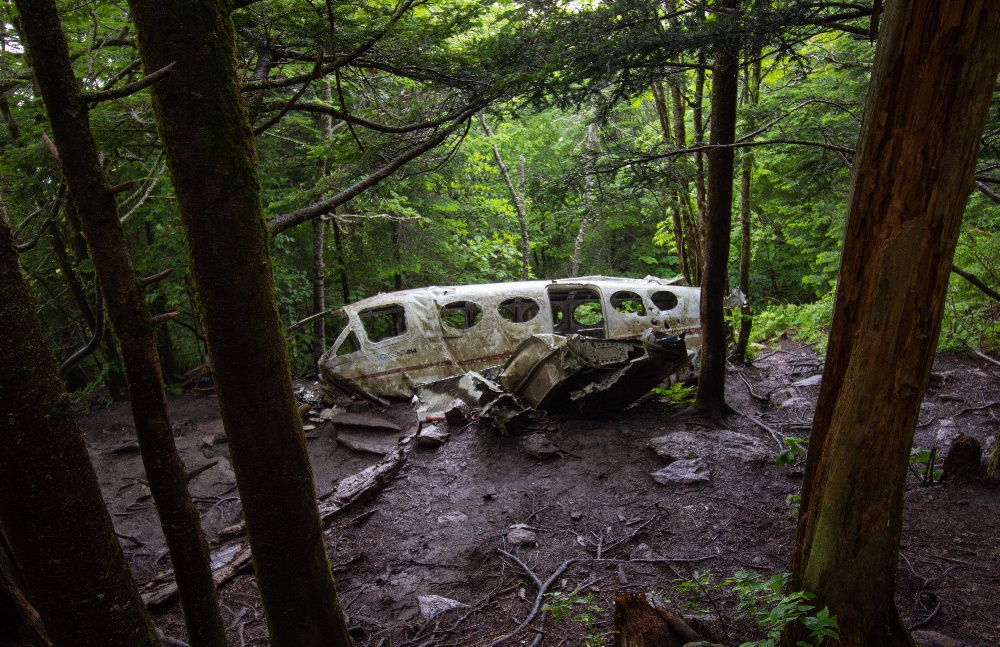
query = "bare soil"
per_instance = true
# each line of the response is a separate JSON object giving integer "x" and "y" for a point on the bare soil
{"x": 442, "y": 527}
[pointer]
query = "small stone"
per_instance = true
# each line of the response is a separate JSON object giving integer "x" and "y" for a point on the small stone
{"x": 432, "y": 436}
{"x": 453, "y": 517}
{"x": 538, "y": 446}
{"x": 809, "y": 381}
{"x": 684, "y": 472}
{"x": 433, "y": 605}
{"x": 328, "y": 414}
{"x": 644, "y": 552}
{"x": 458, "y": 413}
{"x": 364, "y": 445}
{"x": 796, "y": 402}
{"x": 778, "y": 397}
{"x": 308, "y": 427}
{"x": 576, "y": 515}
{"x": 208, "y": 441}
{"x": 521, "y": 535}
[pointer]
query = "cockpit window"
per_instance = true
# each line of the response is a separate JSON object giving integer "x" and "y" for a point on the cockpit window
{"x": 518, "y": 309}
{"x": 461, "y": 315}
{"x": 349, "y": 345}
{"x": 664, "y": 300}
{"x": 625, "y": 301}
{"x": 383, "y": 323}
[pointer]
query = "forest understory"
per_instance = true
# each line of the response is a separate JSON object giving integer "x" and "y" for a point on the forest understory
{"x": 592, "y": 519}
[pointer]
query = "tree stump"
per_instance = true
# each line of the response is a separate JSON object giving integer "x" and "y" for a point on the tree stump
{"x": 964, "y": 459}
{"x": 640, "y": 624}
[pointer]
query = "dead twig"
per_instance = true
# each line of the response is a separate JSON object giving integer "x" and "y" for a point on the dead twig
{"x": 928, "y": 619}
{"x": 754, "y": 395}
{"x": 542, "y": 588}
{"x": 778, "y": 438}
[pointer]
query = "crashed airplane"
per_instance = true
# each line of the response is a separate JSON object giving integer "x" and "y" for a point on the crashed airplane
{"x": 586, "y": 345}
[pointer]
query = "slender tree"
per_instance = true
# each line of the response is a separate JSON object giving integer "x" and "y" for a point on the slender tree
{"x": 51, "y": 508}
{"x": 517, "y": 197}
{"x": 98, "y": 213}
{"x": 711, "y": 397}
{"x": 935, "y": 67}
{"x": 213, "y": 164}
{"x": 751, "y": 95}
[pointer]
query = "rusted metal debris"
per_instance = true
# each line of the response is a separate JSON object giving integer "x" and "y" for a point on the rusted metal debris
{"x": 586, "y": 345}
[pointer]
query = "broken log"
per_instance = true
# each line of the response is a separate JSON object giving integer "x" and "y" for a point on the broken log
{"x": 233, "y": 557}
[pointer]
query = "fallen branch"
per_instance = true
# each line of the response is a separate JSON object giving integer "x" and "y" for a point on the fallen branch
{"x": 542, "y": 588}
{"x": 755, "y": 396}
{"x": 235, "y": 554}
{"x": 778, "y": 438}
{"x": 201, "y": 470}
{"x": 982, "y": 355}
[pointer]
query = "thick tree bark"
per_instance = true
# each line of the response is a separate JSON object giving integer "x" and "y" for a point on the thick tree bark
{"x": 213, "y": 164}
{"x": 751, "y": 96}
{"x": 935, "y": 67}
{"x": 711, "y": 397}
{"x": 20, "y": 624}
{"x": 51, "y": 508}
{"x": 130, "y": 318}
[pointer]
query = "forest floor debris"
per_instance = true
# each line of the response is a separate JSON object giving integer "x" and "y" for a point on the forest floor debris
{"x": 441, "y": 522}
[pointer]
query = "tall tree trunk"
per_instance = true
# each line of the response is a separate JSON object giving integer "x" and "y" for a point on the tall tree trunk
{"x": 692, "y": 241}
{"x": 522, "y": 218}
{"x": 711, "y": 397}
{"x": 130, "y": 318}
{"x": 397, "y": 254}
{"x": 663, "y": 113}
{"x": 319, "y": 287}
{"x": 319, "y": 246}
{"x": 213, "y": 164}
{"x": 751, "y": 96}
{"x": 338, "y": 241}
{"x": 935, "y": 67}
{"x": 697, "y": 117}
{"x": 588, "y": 184}
{"x": 515, "y": 197}
{"x": 51, "y": 508}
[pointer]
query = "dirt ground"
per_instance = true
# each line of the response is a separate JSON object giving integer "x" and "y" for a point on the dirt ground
{"x": 592, "y": 519}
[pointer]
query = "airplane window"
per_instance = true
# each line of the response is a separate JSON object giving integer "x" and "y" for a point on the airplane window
{"x": 383, "y": 323}
{"x": 461, "y": 315}
{"x": 518, "y": 310}
{"x": 628, "y": 302}
{"x": 664, "y": 300}
{"x": 588, "y": 313}
{"x": 350, "y": 345}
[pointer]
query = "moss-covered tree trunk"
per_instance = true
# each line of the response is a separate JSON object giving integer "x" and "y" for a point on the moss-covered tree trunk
{"x": 213, "y": 164}
{"x": 51, "y": 508}
{"x": 711, "y": 398}
{"x": 934, "y": 72}
{"x": 130, "y": 318}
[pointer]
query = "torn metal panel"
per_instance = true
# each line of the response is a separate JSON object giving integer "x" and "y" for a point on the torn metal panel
{"x": 586, "y": 376}
{"x": 392, "y": 343}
